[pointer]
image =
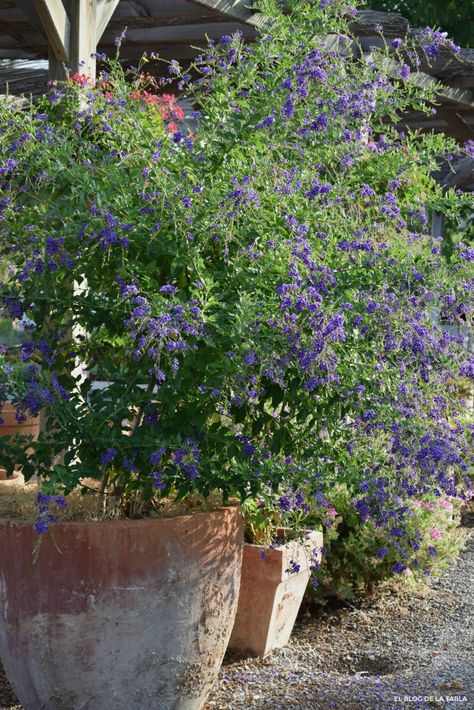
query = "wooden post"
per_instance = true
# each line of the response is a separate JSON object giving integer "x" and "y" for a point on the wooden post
{"x": 56, "y": 26}
{"x": 84, "y": 33}
{"x": 56, "y": 70}
{"x": 437, "y": 219}
{"x": 71, "y": 29}
{"x": 105, "y": 10}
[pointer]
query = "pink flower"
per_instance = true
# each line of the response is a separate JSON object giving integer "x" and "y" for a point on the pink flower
{"x": 423, "y": 504}
{"x": 446, "y": 504}
{"x": 436, "y": 534}
{"x": 332, "y": 511}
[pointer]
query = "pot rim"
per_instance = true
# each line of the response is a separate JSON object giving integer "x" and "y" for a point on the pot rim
{"x": 285, "y": 545}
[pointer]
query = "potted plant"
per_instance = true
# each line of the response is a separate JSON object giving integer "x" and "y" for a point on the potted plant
{"x": 135, "y": 593}
{"x": 233, "y": 289}
{"x": 279, "y": 556}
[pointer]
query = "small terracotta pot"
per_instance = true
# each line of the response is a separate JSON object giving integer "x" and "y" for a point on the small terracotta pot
{"x": 120, "y": 614}
{"x": 10, "y": 426}
{"x": 15, "y": 480}
{"x": 271, "y": 594}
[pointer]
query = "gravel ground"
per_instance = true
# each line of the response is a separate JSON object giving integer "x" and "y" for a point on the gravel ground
{"x": 409, "y": 647}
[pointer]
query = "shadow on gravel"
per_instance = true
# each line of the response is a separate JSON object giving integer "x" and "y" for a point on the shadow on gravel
{"x": 467, "y": 515}
{"x": 371, "y": 665}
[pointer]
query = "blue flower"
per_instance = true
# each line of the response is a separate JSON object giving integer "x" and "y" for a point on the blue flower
{"x": 399, "y": 567}
{"x": 158, "y": 482}
{"x": 156, "y": 456}
{"x": 169, "y": 289}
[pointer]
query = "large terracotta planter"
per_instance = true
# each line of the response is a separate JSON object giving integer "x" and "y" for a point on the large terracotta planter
{"x": 271, "y": 594}
{"x": 120, "y": 614}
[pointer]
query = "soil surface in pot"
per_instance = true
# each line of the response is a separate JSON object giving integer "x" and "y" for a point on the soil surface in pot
{"x": 20, "y": 504}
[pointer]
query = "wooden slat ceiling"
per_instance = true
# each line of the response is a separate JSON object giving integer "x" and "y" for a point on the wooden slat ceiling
{"x": 152, "y": 25}
{"x": 174, "y": 28}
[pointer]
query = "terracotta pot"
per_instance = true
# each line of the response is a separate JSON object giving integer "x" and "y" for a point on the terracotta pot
{"x": 15, "y": 480}
{"x": 271, "y": 594}
{"x": 120, "y": 614}
{"x": 10, "y": 426}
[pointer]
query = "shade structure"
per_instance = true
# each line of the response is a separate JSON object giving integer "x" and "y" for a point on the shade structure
{"x": 67, "y": 31}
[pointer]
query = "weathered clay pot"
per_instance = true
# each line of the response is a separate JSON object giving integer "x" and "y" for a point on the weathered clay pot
{"x": 271, "y": 594}
{"x": 15, "y": 480}
{"x": 10, "y": 426}
{"x": 120, "y": 614}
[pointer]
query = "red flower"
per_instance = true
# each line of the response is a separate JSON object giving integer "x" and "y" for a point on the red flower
{"x": 81, "y": 79}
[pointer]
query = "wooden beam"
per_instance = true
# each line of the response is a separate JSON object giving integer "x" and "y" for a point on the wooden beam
{"x": 56, "y": 68}
{"x": 105, "y": 10}
{"x": 458, "y": 174}
{"x": 236, "y": 9}
{"x": 147, "y": 37}
{"x": 461, "y": 81}
{"x": 133, "y": 22}
{"x": 56, "y": 25}
{"x": 181, "y": 53}
{"x": 29, "y": 9}
{"x": 184, "y": 34}
{"x": 20, "y": 54}
{"x": 463, "y": 97}
{"x": 83, "y": 40}
{"x": 393, "y": 24}
{"x": 449, "y": 93}
{"x": 462, "y": 130}
{"x": 15, "y": 28}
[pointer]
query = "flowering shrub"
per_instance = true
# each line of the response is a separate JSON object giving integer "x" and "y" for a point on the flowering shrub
{"x": 358, "y": 553}
{"x": 259, "y": 300}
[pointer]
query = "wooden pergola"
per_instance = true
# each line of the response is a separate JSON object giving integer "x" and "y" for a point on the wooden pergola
{"x": 69, "y": 33}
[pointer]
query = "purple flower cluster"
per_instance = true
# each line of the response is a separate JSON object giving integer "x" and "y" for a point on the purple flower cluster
{"x": 164, "y": 331}
{"x": 186, "y": 459}
{"x": 434, "y": 41}
{"x": 46, "y": 505}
